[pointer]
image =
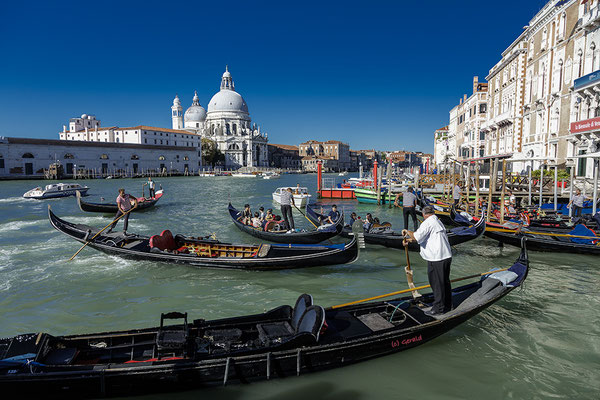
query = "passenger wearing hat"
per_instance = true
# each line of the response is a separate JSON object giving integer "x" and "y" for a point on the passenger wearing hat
{"x": 435, "y": 249}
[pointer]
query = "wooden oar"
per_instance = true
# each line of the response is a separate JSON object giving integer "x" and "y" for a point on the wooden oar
{"x": 409, "y": 274}
{"x": 413, "y": 289}
{"x": 491, "y": 229}
{"x": 99, "y": 232}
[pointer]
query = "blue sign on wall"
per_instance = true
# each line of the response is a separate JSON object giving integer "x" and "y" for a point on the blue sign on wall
{"x": 586, "y": 80}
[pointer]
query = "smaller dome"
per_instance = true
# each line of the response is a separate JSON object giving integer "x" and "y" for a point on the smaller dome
{"x": 226, "y": 74}
{"x": 176, "y": 101}
{"x": 83, "y": 116}
{"x": 195, "y": 113}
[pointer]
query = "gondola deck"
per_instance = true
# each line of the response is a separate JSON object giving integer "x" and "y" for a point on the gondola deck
{"x": 285, "y": 341}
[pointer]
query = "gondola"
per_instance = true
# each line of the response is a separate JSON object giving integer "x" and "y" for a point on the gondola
{"x": 283, "y": 342}
{"x": 312, "y": 237}
{"x": 393, "y": 239}
{"x": 111, "y": 208}
{"x": 203, "y": 252}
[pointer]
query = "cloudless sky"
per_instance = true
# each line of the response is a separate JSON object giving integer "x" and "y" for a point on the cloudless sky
{"x": 378, "y": 74}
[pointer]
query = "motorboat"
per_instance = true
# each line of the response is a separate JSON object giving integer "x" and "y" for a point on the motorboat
{"x": 271, "y": 175}
{"x": 243, "y": 175}
{"x": 301, "y": 195}
{"x": 56, "y": 190}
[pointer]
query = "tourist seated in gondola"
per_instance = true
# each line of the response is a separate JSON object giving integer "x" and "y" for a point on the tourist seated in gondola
{"x": 256, "y": 221}
{"x": 269, "y": 215}
{"x": 369, "y": 221}
{"x": 246, "y": 215}
{"x": 330, "y": 218}
{"x": 261, "y": 212}
{"x": 353, "y": 219}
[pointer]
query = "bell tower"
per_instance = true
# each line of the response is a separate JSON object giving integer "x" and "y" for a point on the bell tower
{"x": 177, "y": 113}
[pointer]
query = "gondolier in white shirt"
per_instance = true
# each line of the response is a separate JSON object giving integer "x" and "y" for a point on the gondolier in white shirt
{"x": 435, "y": 249}
{"x": 287, "y": 199}
{"x": 151, "y": 188}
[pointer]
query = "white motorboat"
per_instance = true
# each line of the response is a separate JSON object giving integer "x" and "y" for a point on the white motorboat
{"x": 301, "y": 195}
{"x": 344, "y": 173}
{"x": 242, "y": 175}
{"x": 56, "y": 190}
{"x": 271, "y": 175}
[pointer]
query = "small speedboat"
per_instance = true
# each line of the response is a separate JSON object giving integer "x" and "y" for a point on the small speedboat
{"x": 344, "y": 173}
{"x": 301, "y": 195}
{"x": 56, "y": 190}
{"x": 243, "y": 175}
{"x": 271, "y": 175}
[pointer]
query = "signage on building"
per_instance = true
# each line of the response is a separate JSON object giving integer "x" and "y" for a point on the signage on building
{"x": 586, "y": 125}
{"x": 586, "y": 80}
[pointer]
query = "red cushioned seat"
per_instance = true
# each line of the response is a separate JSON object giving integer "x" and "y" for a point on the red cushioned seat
{"x": 164, "y": 241}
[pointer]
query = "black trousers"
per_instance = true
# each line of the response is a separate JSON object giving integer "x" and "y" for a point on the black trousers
{"x": 152, "y": 193}
{"x": 410, "y": 211}
{"x": 576, "y": 211}
{"x": 456, "y": 201}
{"x": 438, "y": 273}
{"x": 286, "y": 213}
{"x": 125, "y": 220}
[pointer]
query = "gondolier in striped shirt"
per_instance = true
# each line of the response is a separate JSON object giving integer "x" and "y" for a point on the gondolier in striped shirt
{"x": 287, "y": 199}
{"x": 435, "y": 249}
{"x": 124, "y": 204}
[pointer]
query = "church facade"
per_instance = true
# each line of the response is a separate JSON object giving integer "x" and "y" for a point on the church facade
{"x": 227, "y": 122}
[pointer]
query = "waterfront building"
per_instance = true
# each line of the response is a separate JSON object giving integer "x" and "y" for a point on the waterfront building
{"x": 25, "y": 157}
{"x": 440, "y": 147}
{"x": 330, "y": 149}
{"x": 584, "y": 137}
{"x": 284, "y": 156}
{"x": 466, "y": 119}
{"x": 329, "y": 164}
{"x": 227, "y": 122}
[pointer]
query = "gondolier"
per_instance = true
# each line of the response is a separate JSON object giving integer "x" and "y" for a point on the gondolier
{"x": 287, "y": 199}
{"x": 457, "y": 193}
{"x": 151, "y": 188}
{"x": 124, "y": 205}
{"x": 409, "y": 203}
{"x": 435, "y": 249}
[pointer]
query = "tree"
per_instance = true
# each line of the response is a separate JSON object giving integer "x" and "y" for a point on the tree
{"x": 211, "y": 155}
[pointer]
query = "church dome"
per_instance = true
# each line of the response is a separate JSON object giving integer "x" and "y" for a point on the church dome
{"x": 195, "y": 114}
{"x": 227, "y": 100}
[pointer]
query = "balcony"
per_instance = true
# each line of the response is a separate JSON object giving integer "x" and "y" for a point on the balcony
{"x": 591, "y": 19}
{"x": 499, "y": 120}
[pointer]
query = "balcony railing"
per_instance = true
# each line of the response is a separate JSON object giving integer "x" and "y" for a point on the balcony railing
{"x": 591, "y": 19}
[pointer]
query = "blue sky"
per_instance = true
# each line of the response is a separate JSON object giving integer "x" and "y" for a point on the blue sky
{"x": 380, "y": 74}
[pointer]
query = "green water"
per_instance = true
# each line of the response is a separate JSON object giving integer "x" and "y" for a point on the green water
{"x": 542, "y": 342}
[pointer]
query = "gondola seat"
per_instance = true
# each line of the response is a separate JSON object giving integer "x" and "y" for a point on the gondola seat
{"x": 173, "y": 339}
{"x": 164, "y": 241}
{"x": 273, "y": 332}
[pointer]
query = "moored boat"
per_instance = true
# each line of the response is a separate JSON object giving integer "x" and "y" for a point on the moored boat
{"x": 203, "y": 252}
{"x": 301, "y": 195}
{"x": 111, "y": 208}
{"x": 283, "y": 342}
{"x": 385, "y": 236}
{"x": 281, "y": 236}
{"x": 56, "y": 190}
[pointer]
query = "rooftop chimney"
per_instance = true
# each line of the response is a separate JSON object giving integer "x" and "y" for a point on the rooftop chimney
{"x": 475, "y": 84}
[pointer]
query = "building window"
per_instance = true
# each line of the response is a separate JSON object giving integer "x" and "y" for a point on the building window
{"x": 104, "y": 157}
{"x": 135, "y": 157}
{"x": 186, "y": 158}
{"x": 161, "y": 158}
{"x": 145, "y": 140}
{"x": 68, "y": 156}
{"x": 27, "y": 155}
{"x": 1, "y": 162}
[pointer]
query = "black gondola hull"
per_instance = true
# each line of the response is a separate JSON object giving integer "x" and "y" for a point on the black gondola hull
{"x": 311, "y": 237}
{"x": 260, "y": 363}
{"x": 111, "y": 208}
{"x": 278, "y": 257}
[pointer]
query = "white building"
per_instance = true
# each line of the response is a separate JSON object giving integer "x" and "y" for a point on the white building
{"x": 228, "y": 123}
{"x": 29, "y": 157}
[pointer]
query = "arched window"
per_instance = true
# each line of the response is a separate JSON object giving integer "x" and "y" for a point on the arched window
{"x": 161, "y": 158}
{"x": 68, "y": 156}
{"x": 27, "y": 155}
{"x": 104, "y": 157}
{"x": 186, "y": 158}
{"x": 135, "y": 157}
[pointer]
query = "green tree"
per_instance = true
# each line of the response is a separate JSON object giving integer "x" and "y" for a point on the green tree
{"x": 211, "y": 155}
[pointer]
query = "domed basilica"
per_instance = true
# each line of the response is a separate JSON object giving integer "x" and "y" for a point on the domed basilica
{"x": 227, "y": 122}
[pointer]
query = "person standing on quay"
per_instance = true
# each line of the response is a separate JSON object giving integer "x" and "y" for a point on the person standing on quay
{"x": 124, "y": 206}
{"x": 435, "y": 249}
{"x": 287, "y": 199}
{"x": 577, "y": 203}
{"x": 151, "y": 187}
{"x": 457, "y": 193}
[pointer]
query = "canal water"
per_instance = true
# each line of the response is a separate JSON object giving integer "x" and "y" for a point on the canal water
{"x": 542, "y": 342}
